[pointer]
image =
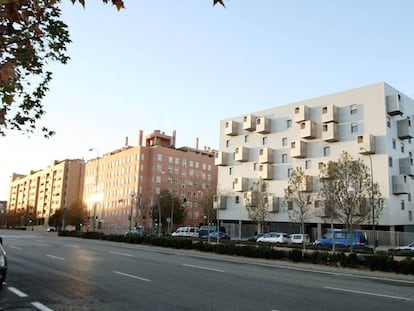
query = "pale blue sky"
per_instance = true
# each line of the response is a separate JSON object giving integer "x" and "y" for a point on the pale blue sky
{"x": 183, "y": 65}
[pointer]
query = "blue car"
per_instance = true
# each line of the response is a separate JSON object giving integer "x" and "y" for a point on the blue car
{"x": 343, "y": 238}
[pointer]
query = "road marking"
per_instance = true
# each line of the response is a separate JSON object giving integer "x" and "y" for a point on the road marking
{"x": 203, "y": 268}
{"x": 72, "y": 245}
{"x": 131, "y": 276}
{"x": 17, "y": 292}
{"x": 368, "y": 293}
{"x": 55, "y": 257}
{"x": 122, "y": 254}
{"x": 15, "y": 247}
{"x": 40, "y": 306}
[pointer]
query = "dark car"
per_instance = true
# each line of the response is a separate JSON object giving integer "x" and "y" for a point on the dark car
{"x": 221, "y": 236}
{"x": 255, "y": 237}
{"x": 3, "y": 263}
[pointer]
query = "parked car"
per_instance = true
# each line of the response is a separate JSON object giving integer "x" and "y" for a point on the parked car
{"x": 274, "y": 237}
{"x": 409, "y": 247}
{"x": 135, "y": 232}
{"x": 3, "y": 263}
{"x": 255, "y": 237}
{"x": 204, "y": 231}
{"x": 299, "y": 238}
{"x": 191, "y": 232}
{"x": 221, "y": 236}
{"x": 343, "y": 238}
{"x": 50, "y": 229}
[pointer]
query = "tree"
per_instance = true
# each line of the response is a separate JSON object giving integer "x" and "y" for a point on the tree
{"x": 32, "y": 34}
{"x": 209, "y": 212}
{"x": 56, "y": 218}
{"x": 76, "y": 214}
{"x": 349, "y": 188}
{"x": 257, "y": 204}
{"x": 163, "y": 204}
{"x": 298, "y": 197}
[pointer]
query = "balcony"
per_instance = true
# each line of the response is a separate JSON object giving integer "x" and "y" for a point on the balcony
{"x": 230, "y": 128}
{"x": 330, "y": 132}
{"x": 272, "y": 203}
{"x": 241, "y": 154}
{"x": 406, "y": 167}
{"x": 262, "y": 125}
{"x": 308, "y": 129}
{"x": 249, "y": 122}
{"x": 301, "y": 113}
{"x": 221, "y": 158}
{"x": 298, "y": 149}
{"x": 220, "y": 202}
{"x": 400, "y": 184}
{"x": 240, "y": 184}
{"x": 266, "y": 171}
{"x": 266, "y": 155}
{"x": 404, "y": 129}
{"x": 307, "y": 184}
{"x": 329, "y": 114}
{"x": 394, "y": 105}
{"x": 366, "y": 144}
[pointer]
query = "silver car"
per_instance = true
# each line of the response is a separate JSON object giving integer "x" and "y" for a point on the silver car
{"x": 274, "y": 237}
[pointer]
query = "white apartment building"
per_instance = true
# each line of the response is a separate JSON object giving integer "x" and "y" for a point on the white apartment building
{"x": 373, "y": 123}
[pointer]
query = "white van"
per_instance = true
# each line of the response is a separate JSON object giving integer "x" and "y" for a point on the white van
{"x": 186, "y": 231}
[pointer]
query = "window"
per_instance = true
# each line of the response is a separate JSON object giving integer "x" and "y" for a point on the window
{"x": 237, "y": 199}
{"x": 307, "y": 164}
{"x": 409, "y": 197}
{"x": 184, "y": 162}
{"x": 284, "y": 158}
{"x": 289, "y": 123}
{"x": 388, "y": 122}
{"x": 230, "y": 170}
{"x": 394, "y": 144}
{"x": 354, "y": 109}
{"x": 402, "y": 205}
{"x": 159, "y": 157}
{"x": 402, "y": 147}
{"x": 354, "y": 127}
{"x": 389, "y": 161}
{"x": 326, "y": 151}
{"x": 297, "y": 110}
{"x": 227, "y": 143}
{"x": 324, "y": 110}
{"x": 170, "y": 160}
{"x": 410, "y": 215}
{"x": 254, "y": 166}
{"x": 302, "y": 125}
{"x": 264, "y": 140}
{"x": 289, "y": 172}
{"x": 284, "y": 141}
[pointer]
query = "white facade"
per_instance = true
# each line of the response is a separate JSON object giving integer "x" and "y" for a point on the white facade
{"x": 374, "y": 122}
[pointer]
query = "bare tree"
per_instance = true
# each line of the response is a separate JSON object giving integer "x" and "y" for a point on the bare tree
{"x": 298, "y": 197}
{"x": 348, "y": 187}
{"x": 257, "y": 204}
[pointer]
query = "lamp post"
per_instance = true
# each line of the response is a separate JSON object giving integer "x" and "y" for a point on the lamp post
{"x": 96, "y": 188}
{"x": 132, "y": 194}
{"x": 372, "y": 201}
{"x": 351, "y": 192}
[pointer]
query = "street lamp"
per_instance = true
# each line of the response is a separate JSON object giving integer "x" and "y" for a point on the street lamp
{"x": 372, "y": 201}
{"x": 96, "y": 188}
{"x": 132, "y": 194}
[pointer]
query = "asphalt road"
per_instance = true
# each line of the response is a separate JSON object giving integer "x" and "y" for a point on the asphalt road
{"x": 47, "y": 272}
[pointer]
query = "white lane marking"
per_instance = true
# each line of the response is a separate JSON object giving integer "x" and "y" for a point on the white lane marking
{"x": 132, "y": 276}
{"x": 203, "y": 268}
{"x": 15, "y": 247}
{"x": 122, "y": 254}
{"x": 368, "y": 293}
{"x": 40, "y": 306}
{"x": 17, "y": 292}
{"x": 72, "y": 245}
{"x": 55, "y": 257}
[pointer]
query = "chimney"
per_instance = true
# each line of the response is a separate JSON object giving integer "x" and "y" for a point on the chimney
{"x": 140, "y": 138}
{"x": 196, "y": 143}
{"x": 174, "y": 138}
{"x": 126, "y": 141}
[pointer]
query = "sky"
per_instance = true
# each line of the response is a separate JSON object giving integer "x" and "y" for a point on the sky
{"x": 185, "y": 65}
